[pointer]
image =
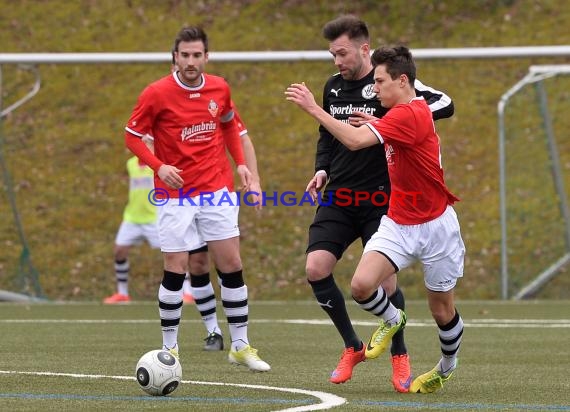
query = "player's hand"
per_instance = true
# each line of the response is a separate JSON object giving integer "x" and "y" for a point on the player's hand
{"x": 357, "y": 118}
{"x": 245, "y": 177}
{"x": 316, "y": 184}
{"x": 170, "y": 175}
{"x": 300, "y": 94}
{"x": 255, "y": 194}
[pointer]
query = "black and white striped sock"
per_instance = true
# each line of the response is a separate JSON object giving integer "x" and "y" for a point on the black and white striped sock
{"x": 170, "y": 306}
{"x": 234, "y": 301}
{"x": 122, "y": 276}
{"x": 450, "y": 340}
{"x": 379, "y": 305}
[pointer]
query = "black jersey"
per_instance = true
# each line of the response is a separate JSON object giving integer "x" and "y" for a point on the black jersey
{"x": 364, "y": 169}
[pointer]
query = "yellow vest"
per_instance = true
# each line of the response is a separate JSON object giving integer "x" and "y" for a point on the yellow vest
{"x": 139, "y": 209}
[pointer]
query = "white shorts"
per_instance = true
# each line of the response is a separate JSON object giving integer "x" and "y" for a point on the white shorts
{"x": 185, "y": 226}
{"x": 197, "y": 241}
{"x": 130, "y": 234}
{"x": 437, "y": 244}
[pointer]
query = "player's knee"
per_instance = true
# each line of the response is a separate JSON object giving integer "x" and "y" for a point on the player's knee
{"x": 443, "y": 314}
{"x": 198, "y": 264}
{"x": 175, "y": 262}
{"x": 360, "y": 290}
{"x": 315, "y": 271}
{"x": 198, "y": 268}
{"x": 229, "y": 264}
{"x": 121, "y": 253}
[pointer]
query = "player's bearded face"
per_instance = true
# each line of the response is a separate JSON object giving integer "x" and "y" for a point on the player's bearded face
{"x": 191, "y": 61}
{"x": 351, "y": 68}
{"x": 347, "y": 58}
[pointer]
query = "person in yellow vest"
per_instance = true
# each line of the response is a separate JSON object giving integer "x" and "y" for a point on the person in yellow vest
{"x": 139, "y": 224}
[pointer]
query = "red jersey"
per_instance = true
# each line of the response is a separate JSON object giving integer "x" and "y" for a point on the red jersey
{"x": 413, "y": 155}
{"x": 228, "y": 172}
{"x": 186, "y": 125}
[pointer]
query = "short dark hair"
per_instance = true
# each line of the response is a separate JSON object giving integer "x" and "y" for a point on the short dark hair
{"x": 347, "y": 24}
{"x": 398, "y": 61}
{"x": 191, "y": 33}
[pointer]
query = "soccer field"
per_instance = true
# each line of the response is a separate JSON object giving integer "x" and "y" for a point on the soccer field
{"x": 82, "y": 356}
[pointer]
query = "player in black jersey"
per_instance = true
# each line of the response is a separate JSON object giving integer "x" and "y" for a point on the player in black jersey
{"x": 357, "y": 185}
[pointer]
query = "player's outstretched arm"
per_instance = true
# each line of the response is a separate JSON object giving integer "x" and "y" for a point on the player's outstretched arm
{"x": 353, "y": 138}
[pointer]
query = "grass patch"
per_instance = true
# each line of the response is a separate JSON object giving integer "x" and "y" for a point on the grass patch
{"x": 500, "y": 368}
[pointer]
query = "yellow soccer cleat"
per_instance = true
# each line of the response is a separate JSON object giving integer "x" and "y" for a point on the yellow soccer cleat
{"x": 248, "y": 356}
{"x": 382, "y": 337}
{"x": 430, "y": 381}
{"x": 173, "y": 350}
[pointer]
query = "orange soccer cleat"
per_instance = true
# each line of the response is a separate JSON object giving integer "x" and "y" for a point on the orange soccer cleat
{"x": 348, "y": 360}
{"x": 401, "y": 373}
{"x": 117, "y": 298}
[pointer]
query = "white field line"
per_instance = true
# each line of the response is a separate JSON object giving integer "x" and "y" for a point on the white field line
{"x": 474, "y": 323}
{"x": 328, "y": 400}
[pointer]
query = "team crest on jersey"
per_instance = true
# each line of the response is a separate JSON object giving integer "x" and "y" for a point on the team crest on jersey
{"x": 368, "y": 91}
{"x": 213, "y": 108}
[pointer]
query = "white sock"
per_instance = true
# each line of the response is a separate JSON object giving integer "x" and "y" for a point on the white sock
{"x": 392, "y": 315}
{"x": 447, "y": 364}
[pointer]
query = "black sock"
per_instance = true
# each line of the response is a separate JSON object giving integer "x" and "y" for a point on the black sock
{"x": 398, "y": 345}
{"x": 331, "y": 300}
{"x": 231, "y": 280}
{"x": 199, "y": 281}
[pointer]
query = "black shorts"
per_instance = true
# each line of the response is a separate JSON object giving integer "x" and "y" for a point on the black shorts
{"x": 336, "y": 227}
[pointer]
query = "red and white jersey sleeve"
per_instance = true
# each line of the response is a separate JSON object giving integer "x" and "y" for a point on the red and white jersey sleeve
{"x": 419, "y": 193}
{"x": 229, "y": 173}
{"x": 241, "y": 126}
{"x": 186, "y": 125}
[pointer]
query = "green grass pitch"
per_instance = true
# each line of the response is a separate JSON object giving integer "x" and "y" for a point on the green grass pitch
{"x": 82, "y": 356}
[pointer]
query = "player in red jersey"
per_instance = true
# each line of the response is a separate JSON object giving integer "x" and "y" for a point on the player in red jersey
{"x": 190, "y": 115}
{"x": 421, "y": 223}
{"x": 199, "y": 285}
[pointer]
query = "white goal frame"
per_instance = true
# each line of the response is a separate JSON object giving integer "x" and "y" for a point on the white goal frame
{"x": 536, "y": 74}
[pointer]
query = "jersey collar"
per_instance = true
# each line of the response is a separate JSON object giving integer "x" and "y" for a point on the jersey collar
{"x": 185, "y": 86}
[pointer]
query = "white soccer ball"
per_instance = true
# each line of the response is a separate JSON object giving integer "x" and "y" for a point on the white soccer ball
{"x": 158, "y": 372}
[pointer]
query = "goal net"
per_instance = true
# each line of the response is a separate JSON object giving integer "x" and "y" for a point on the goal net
{"x": 16, "y": 267}
{"x": 534, "y": 153}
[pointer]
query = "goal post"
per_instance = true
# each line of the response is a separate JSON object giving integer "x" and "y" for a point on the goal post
{"x": 537, "y": 75}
